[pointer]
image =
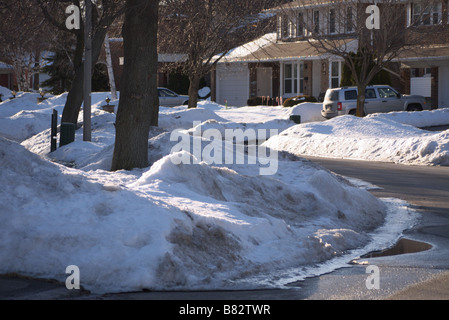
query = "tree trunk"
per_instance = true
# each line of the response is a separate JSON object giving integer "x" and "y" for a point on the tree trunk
{"x": 139, "y": 102}
{"x": 75, "y": 96}
{"x": 110, "y": 68}
{"x": 193, "y": 90}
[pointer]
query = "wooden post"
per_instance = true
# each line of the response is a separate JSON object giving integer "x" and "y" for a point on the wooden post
{"x": 87, "y": 129}
{"x": 54, "y": 130}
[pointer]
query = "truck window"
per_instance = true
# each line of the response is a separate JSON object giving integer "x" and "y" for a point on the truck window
{"x": 370, "y": 94}
{"x": 351, "y": 95}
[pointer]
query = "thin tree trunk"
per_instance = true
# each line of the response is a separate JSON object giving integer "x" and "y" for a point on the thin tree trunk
{"x": 75, "y": 96}
{"x": 193, "y": 90}
{"x": 110, "y": 69}
{"x": 139, "y": 105}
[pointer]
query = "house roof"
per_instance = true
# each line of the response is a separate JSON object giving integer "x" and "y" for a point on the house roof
{"x": 4, "y": 67}
{"x": 303, "y": 4}
{"x": 425, "y": 55}
{"x": 426, "y": 51}
{"x": 276, "y": 51}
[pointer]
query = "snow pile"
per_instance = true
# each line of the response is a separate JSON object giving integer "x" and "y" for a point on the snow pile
{"x": 23, "y": 117}
{"x": 174, "y": 226}
{"x": 309, "y": 111}
{"x": 260, "y": 114}
{"x": 375, "y": 138}
{"x": 182, "y": 117}
{"x": 425, "y": 118}
{"x": 5, "y": 92}
{"x": 178, "y": 226}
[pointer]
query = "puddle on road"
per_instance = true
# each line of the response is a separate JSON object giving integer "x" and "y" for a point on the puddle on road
{"x": 403, "y": 246}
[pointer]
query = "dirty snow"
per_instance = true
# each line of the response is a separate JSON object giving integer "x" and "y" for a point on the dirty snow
{"x": 187, "y": 226}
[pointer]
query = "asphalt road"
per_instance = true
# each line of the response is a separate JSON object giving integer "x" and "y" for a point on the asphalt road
{"x": 427, "y": 187}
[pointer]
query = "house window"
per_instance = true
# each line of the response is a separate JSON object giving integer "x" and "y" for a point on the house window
{"x": 285, "y": 26}
{"x": 332, "y": 21}
{"x": 293, "y": 79}
{"x": 316, "y": 21}
{"x": 426, "y": 13}
{"x": 335, "y": 74}
{"x": 349, "y": 20}
{"x": 290, "y": 78}
{"x": 300, "y": 25}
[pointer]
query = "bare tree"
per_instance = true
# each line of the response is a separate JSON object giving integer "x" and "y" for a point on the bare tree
{"x": 104, "y": 14}
{"x": 139, "y": 105}
{"x": 381, "y": 32}
{"x": 24, "y": 35}
{"x": 205, "y": 30}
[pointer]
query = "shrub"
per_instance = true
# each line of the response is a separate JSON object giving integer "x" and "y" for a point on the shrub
{"x": 259, "y": 101}
{"x": 290, "y": 102}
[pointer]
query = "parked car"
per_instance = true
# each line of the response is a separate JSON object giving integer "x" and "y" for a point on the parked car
{"x": 168, "y": 98}
{"x": 379, "y": 98}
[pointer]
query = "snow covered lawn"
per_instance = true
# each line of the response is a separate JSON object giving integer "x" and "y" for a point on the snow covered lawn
{"x": 392, "y": 137}
{"x": 185, "y": 226}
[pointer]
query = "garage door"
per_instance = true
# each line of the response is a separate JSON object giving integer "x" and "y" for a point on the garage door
{"x": 233, "y": 84}
{"x": 421, "y": 86}
{"x": 443, "y": 90}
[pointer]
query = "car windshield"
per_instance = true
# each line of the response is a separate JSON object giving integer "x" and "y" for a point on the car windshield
{"x": 387, "y": 93}
{"x": 166, "y": 93}
{"x": 331, "y": 95}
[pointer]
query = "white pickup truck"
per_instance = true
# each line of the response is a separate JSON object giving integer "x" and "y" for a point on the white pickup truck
{"x": 340, "y": 101}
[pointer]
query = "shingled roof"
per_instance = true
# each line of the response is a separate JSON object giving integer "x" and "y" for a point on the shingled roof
{"x": 275, "y": 51}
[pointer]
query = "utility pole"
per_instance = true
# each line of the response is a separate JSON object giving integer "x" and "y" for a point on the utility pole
{"x": 87, "y": 126}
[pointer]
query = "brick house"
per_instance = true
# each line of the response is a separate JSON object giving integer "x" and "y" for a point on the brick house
{"x": 6, "y": 75}
{"x": 284, "y": 64}
{"x": 425, "y": 70}
{"x": 117, "y": 53}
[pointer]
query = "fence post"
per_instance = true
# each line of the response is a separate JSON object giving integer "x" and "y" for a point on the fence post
{"x": 54, "y": 130}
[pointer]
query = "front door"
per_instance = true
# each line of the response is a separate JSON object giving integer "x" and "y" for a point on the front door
{"x": 264, "y": 82}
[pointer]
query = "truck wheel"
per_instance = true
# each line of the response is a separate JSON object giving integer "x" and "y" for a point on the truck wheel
{"x": 414, "y": 107}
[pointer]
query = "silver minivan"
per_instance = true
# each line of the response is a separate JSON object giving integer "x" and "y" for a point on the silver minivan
{"x": 378, "y": 99}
